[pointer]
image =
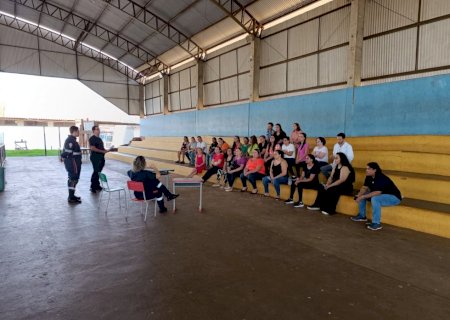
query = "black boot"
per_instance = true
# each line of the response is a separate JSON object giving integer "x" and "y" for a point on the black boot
{"x": 72, "y": 198}
{"x": 161, "y": 206}
{"x": 167, "y": 193}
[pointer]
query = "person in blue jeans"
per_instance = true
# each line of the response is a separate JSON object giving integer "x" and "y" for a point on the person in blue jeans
{"x": 381, "y": 191}
{"x": 278, "y": 174}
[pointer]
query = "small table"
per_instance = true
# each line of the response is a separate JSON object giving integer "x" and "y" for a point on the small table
{"x": 165, "y": 172}
{"x": 188, "y": 183}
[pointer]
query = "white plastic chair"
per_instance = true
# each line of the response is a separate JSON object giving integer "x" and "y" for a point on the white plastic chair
{"x": 106, "y": 188}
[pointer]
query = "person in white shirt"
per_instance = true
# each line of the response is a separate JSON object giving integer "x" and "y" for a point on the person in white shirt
{"x": 200, "y": 144}
{"x": 321, "y": 152}
{"x": 289, "y": 154}
{"x": 341, "y": 146}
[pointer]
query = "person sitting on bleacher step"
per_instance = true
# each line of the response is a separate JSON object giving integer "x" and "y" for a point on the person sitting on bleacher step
{"x": 381, "y": 191}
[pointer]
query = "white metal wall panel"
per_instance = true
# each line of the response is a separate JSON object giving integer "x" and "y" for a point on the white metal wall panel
{"x": 334, "y": 28}
{"x": 302, "y": 73}
{"x": 156, "y": 88}
{"x": 174, "y": 82}
{"x": 274, "y": 48}
{"x": 194, "y": 75}
{"x": 185, "y": 99}
{"x": 243, "y": 59}
{"x": 333, "y": 66}
{"x": 108, "y": 90}
{"x": 273, "y": 79}
{"x": 19, "y": 61}
{"x": 148, "y": 91}
{"x": 157, "y": 105}
{"x": 174, "y": 101}
{"x": 244, "y": 88}
{"x": 122, "y": 104}
{"x": 46, "y": 45}
{"x": 384, "y": 15}
{"x": 434, "y": 44}
{"x": 389, "y": 54}
{"x": 133, "y": 92}
{"x": 89, "y": 69}
{"x": 228, "y": 90}
{"x": 194, "y": 97}
{"x": 58, "y": 65}
{"x": 228, "y": 64}
{"x": 134, "y": 107}
{"x": 17, "y": 38}
{"x": 149, "y": 106}
{"x": 434, "y": 8}
{"x": 111, "y": 75}
{"x": 185, "y": 79}
{"x": 211, "y": 70}
{"x": 211, "y": 93}
{"x": 303, "y": 39}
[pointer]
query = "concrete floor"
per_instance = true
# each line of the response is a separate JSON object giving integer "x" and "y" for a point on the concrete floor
{"x": 245, "y": 257}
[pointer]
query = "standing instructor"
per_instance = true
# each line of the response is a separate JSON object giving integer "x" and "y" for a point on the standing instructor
{"x": 97, "y": 158}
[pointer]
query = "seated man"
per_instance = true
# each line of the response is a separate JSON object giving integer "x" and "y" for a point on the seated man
{"x": 341, "y": 146}
{"x": 381, "y": 192}
{"x": 152, "y": 186}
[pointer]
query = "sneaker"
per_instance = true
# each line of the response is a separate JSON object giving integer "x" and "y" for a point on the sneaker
{"x": 244, "y": 189}
{"x": 374, "y": 226}
{"x": 313, "y": 208}
{"x": 254, "y": 191}
{"x": 172, "y": 196}
{"x": 325, "y": 213}
{"x": 216, "y": 185}
{"x": 289, "y": 201}
{"x": 358, "y": 218}
{"x": 299, "y": 205}
{"x": 228, "y": 189}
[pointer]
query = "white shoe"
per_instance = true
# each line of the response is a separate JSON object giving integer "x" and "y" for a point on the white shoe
{"x": 216, "y": 185}
{"x": 325, "y": 213}
{"x": 313, "y": 208}
{"x": 228, "y": 189}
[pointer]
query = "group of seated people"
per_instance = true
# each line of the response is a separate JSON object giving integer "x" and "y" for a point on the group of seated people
{"x": 276, "y": 158}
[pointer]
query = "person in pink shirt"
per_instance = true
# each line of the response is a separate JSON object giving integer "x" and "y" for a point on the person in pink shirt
{"x": 216, "y": 164}
{"x": 295, "y": 134}
{"x": 302, "y": 153}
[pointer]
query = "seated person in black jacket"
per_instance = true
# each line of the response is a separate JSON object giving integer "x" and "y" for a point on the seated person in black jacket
{"x": 152, "y": 186}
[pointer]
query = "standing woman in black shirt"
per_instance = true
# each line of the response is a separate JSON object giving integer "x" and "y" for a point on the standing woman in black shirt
{"x": 97, "y": 158}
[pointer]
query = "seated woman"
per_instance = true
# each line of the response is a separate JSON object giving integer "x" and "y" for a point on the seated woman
{"x": 152, "y": 186}
{"x": 228, "y": 161}
{"x": 236, "y": 143}
{"x": 254, "y": 170}
{"x": 200, "y": 163}
{"x": 268, "y": 155}
{"x": 262, "y": 145}
{"x": 191, "y": 149}
{"x": 289, "y": 154}
{"x": 279, "y": 134}
{"x": 212, "y": 146}
{"x": 183, "y": 150}
{"x": 235, "y": 169}
{"x": 320, "y": 151}
{"x": 253, "y": 145}
{"x": 244, "y": 147}
{"x": 216, "y": 164}
{"x": 223, "y": 145}
{"x": 308, "y": 180}
{"x": 295, "y": 134}
{"x": 277, "y": 174}
{"x": 340, "y": 182}
{"x": 302, "y": 152}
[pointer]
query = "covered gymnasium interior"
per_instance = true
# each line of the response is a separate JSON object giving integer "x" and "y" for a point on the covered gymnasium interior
{"x": 378, "y": 70}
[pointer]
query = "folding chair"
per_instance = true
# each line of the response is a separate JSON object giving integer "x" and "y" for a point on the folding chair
{"x": 139, "y": 187}
{"x": 106, "y": 188}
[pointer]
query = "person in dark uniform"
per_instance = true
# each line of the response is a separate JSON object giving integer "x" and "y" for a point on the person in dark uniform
{"x": 72, "y": 161}
{"x": 97, "y": 158}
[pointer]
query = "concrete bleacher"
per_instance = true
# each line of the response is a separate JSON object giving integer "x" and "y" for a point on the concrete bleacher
{"x": 419, "y": 166}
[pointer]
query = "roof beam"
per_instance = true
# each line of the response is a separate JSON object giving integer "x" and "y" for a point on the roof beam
{"x": 31, "y": 28}
{"x": 163, "y": 27}
{"x": 239, "y": 13}
{"x": 87, "y": 26}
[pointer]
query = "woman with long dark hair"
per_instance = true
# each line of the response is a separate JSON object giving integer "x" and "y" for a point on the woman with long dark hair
{"x": 340, "y": 182}
{"x": 279, "y": 134}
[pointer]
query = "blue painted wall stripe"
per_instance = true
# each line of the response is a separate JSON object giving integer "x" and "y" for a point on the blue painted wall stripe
{"x": 408, "y": 107}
